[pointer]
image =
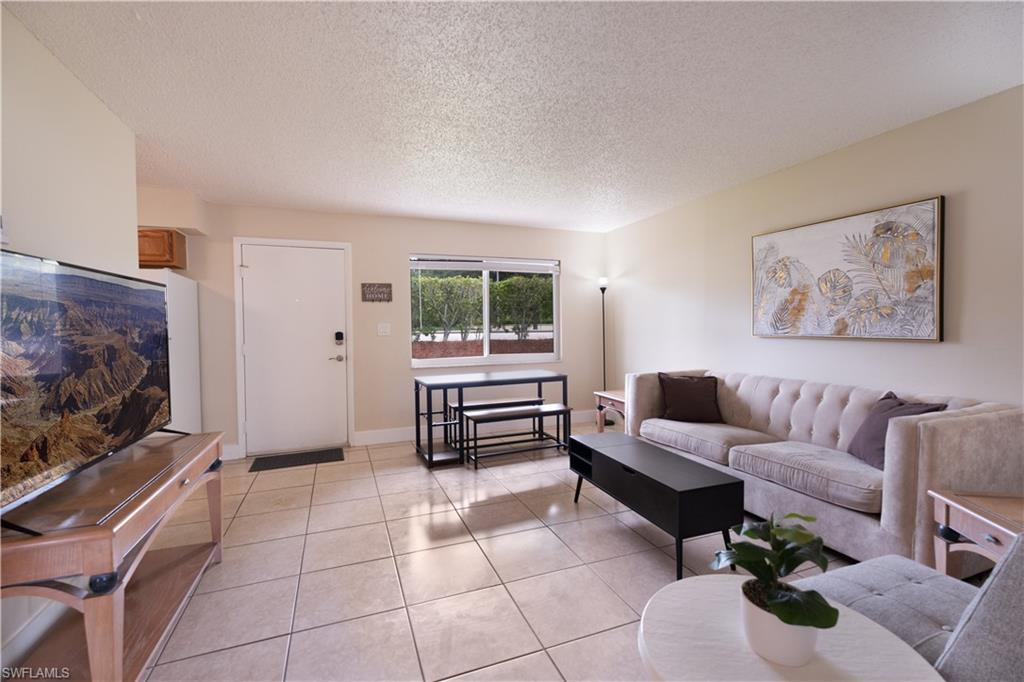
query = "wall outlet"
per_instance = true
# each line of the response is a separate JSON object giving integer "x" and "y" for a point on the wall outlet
{"x": 383, "y": 329}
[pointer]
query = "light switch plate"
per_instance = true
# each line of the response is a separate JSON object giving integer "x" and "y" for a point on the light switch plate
{"x": 383, "y": 329}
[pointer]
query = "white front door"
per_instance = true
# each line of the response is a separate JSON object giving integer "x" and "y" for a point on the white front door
{"x": 293, "y": 305}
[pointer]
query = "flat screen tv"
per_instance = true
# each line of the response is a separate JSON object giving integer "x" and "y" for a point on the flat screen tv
{"x": 83, "y": 369}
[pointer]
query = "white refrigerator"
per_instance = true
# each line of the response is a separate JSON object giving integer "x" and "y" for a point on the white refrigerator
{"x": 183, "y": 347}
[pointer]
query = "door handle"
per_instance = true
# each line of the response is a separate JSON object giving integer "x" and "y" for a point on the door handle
{"x": 339, "y": 358}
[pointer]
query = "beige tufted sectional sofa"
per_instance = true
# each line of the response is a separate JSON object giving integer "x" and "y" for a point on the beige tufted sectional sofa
{"x": 787, "y": 439}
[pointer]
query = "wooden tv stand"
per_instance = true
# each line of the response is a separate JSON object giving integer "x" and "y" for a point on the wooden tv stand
{"x": 98, "y": 526}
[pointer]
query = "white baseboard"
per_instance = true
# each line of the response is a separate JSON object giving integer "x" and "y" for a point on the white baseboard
{"x": 408, "y": 433}
{"x": 378, "y": 436}
{"x": 581, "y": 416}
{"x": 231, "y": 451}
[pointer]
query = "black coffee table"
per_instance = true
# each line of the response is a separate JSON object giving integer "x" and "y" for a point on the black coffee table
{"x": 682, "y": 497}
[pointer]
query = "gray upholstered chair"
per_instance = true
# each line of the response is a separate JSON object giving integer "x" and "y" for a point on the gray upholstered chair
{"x": 965, "y": 632}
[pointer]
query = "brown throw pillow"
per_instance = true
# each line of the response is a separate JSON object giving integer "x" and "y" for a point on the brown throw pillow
{"x": 868, "y": 443}
{"x": 690, "y": 399}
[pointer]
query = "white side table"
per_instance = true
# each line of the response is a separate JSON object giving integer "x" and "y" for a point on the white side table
{"x": 692, "y": 630}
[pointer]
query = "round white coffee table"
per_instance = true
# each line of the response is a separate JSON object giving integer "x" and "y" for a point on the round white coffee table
{"x": 691, "y": 630}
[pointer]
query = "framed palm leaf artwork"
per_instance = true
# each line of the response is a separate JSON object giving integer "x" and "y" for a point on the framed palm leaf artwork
{"x": 874, "y": 275}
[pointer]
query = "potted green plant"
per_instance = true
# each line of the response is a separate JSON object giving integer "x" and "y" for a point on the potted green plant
{"x": 781, "y": 622}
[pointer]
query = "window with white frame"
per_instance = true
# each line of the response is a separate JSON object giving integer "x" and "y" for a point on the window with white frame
{"x": 478, "y": 311}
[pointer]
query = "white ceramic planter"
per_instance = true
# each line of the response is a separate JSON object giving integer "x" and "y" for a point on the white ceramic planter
{"x": 778, "y": 642}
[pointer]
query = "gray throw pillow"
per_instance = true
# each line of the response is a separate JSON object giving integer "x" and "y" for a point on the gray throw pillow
{"x": 690, "y": 399}
{"x": 868, "y": 444}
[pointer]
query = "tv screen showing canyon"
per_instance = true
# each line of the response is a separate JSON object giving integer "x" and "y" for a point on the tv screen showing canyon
{"x": 84, "y": 368}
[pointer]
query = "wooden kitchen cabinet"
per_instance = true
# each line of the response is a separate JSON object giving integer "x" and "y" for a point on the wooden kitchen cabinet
{"x": 161, "y": 248}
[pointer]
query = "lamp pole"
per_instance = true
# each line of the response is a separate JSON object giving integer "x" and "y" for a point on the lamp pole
{"x": 603, "y": 285}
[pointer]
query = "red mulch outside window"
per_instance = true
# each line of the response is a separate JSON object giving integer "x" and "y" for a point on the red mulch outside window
{"x": 453, "y": 348}
{"x": 447, "y": 349}
{"x": 527, "y": 346}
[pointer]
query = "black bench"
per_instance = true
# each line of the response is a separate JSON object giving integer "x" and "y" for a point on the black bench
{"x": 453, "y": 415}
{"x": 474, "y": 418}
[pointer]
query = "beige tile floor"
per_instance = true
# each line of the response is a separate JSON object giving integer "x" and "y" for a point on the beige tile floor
{"x": 378, "y": 569}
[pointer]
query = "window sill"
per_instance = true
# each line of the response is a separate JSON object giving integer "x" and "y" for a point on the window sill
{"x": 516, "y": 359}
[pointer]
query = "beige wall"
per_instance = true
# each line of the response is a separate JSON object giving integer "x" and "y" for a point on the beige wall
{"x": 68, "y": 163}
{"x": 381, "y": 247}
{"x": 68, "y": 193}
{"x": 681, "y": 280}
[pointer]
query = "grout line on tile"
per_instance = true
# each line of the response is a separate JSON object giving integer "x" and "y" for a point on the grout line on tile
{"x": 352, "y": 499}
{"x": 415, "y": 644}
{"x": 553, "y": 664}
{"x": 216, "y": 651}
{"x": 489, "y": 665}
{"x": 501, "y": 581}
{"x": 354, "y": 525}
{"x": 592, "y": 634}
{"x": 622, "y": 598}
{"x": 204, "y": 653}
{"x": 295, "y": 602}
{"x": 405, "y": 604}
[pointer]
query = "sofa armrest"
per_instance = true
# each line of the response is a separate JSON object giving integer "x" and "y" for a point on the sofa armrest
{"x": 976, "y": 449}
{"x": 644, "y": 399}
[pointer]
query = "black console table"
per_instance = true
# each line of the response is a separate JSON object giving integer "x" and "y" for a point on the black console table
{"x": 682, "y": 497}
{"x": 457, "y": 384}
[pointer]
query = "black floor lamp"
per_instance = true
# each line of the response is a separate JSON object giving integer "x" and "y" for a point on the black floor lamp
{"x": 602, "y": 284}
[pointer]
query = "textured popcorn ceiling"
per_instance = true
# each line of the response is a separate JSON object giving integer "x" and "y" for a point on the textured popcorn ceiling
{"x": 581, "y": 116}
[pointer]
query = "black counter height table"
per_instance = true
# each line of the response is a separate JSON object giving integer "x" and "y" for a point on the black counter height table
{"x": 458, "y": 384}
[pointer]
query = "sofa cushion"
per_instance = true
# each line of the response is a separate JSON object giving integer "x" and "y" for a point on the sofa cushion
{"x": 710, "y": 441}
{"x": 830, "y": 475}
{"x": 914, "y": 602}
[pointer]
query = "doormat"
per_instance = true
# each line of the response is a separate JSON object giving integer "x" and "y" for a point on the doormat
{"x": 297, "y": 459}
